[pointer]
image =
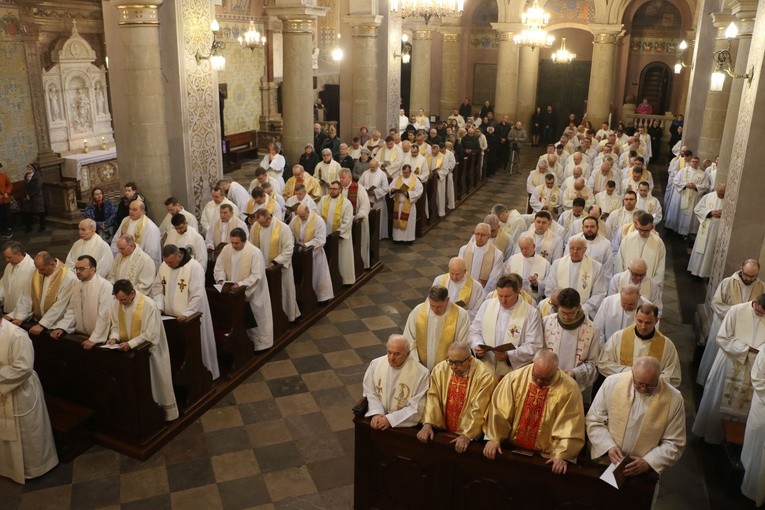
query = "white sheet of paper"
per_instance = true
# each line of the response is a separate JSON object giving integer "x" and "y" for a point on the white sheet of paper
{"x": 112, "y": 346}
{"x": 218, "y": 287}
{"x": 608, "y": 475}
{"x": 167, "y": 317}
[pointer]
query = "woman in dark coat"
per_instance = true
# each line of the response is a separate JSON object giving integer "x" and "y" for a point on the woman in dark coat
{"x": 537, "y": 122}
{"x": 34, "y": 202}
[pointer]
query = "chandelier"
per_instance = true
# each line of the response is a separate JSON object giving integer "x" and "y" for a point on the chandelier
{"x": 427, "y": 9}
{"x": 563, "y": 56}
{"x": 534, "y": 20}
{"x": 252, "y": 38}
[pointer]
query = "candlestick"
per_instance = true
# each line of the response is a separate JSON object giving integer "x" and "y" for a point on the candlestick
{"x": 103, "y": 143}
{"x": 85, "y": 147}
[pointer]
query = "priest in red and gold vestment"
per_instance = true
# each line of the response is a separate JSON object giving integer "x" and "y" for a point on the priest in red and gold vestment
{"x": 537, "y": 408}
{"x": 460, "y": 390}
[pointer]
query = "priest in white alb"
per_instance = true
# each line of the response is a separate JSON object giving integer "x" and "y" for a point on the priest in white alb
{"x": 636, "y": 275}
{"x": 689, "y": 184}
{"x": 405, "y": 190}
{"x": 135, "y": 319}
{"x": 645, "y": 244}
{"x": 483, "y": 260}
{"x": 359, "y": 199}
{"x": 27, "y": 449}
{"x": 441, "y": 166}
{"x": 310, "y": 232}
{"x": 708, "y": 211}
{"x": 144, "y": 232}
{"x": 184, "y": 236}
{"x": 598, "y": 247}
{"x": 728, "y": 389}
{"x": 275, "y": 240}
{"x": 211, "y": 211}
{"x": 223, "y": 226}
{"x": 90, "y": 243}
{"x": 173, "y": 207}
{"x": 617, "y": 312}
{"x": 132, "y": 264}
{"x": 17, "y": 274}
{"x": 274, "y": 163}
{"x": 375, "y": 181}
{"x": 434, "y": 325}
{"x": 243, "y": 263}
{"x": 641, "y": 339}
{"x": 179, "y": 291}
{"x": 742, "y": 286}
{"x": 464, "y": 290}
{"x": 530, "y": 266}
{"x": 753, "y": 451}
{"x": 395, "y": 386}
{"x": 337, "y": 212}
{"x": 579, "y": 271}
{"x": 546, "y": 240}
{"x": 390, "y": 157}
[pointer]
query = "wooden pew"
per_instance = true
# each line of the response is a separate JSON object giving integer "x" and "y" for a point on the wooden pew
{"x": 279, "y": 318}
{"x": 460, "y": 179}
{"x": 374, "y": 237}
{"x": 432, "y": 191}
{"x": 332, "y": 247}
{"x": 191, "y": 379}
{"x": 358, "y": 262}
{"x": 421, "y": 220}
{"x": 394, "y": 470}
{"x": 114, "y": 384}
{"x": 229, "y": 322}
{"x": 302, "y": 268}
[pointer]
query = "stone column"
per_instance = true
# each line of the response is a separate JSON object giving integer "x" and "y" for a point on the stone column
{"x": 506, "y": 92}
{"x": 744, "y": 12}
{"x": 601, "y": 89}
{"x": 528, "y": 77}
{"x": 419, "y": 91}
{"x": 297, "y": 87}
{"x": 364, "y": 58}
{"x": 717, "y": 102}
{"x": 270, "y": 119}
{"x": 450, "y": 70}
{"x": 742, "y": 234}
{"x": 143, "y": 143}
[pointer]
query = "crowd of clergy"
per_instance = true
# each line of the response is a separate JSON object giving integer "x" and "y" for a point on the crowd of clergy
{"x": 539, "y": 308}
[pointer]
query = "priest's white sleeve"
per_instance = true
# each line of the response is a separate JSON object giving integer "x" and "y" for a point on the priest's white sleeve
{"x": 597, "y": 421}
{"x": 59, "y": 314}
{"x": 726, "y": 339}
{"x": 374, "y": 406}
{"x": 608, "y": 361}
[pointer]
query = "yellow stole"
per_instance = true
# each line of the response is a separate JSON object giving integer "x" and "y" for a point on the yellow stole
{"x": 514, "y": 326}
{"x": 545, "y": 247}
{"x": 400, "y": 223}
{"x": 554, "y": 195}
{"x": 627, "y": 347}
{"x": 138, "y": 232}
{"x": 244, "y": 264}
{"x": 310, "y": 227}
{"x": 654, "y": 421}
{"x": 338, "y": 211}
{"x": 583, "y": 283}
{"x": 465, "y": 292}
{"x": 736, "y": 297}
{"x": 486, "y": 264}
{"x": 50, "y": 297}
{"x": 447, "y": 334}
{"x": 438, "y": 163}
{"x": 135, "y": 320}
{"x": 501, "y": 240}
{"x": 268, "y": 206}
{"x": 273, "y": 246}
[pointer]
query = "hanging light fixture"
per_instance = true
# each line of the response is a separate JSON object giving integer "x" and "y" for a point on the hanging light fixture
{"x": 427, "y": 9}
{"x": 252, "y": 38}
{"x": 534, "y": 20}
{"x": 563, "y": 56}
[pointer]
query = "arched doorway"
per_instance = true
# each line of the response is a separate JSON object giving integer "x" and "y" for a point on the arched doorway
{"x": 656, "y": 86}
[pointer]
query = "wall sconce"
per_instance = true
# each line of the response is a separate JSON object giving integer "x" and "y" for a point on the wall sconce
{"x": 724, "y": 63}
{"x": 406, "y": 50}
{"x": 217, "y": 61}
{"x": 337, "y": 51}
{"x": 680, "y": 64}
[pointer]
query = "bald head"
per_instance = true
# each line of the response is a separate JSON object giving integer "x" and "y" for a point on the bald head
{"x": 544, "y": 368}
{"x": 460, "y": 349}
{"x": 646, "y": 372}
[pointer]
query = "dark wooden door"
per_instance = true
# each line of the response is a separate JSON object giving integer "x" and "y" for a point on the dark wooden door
{"x": 656, "y": 85}
{"x": 565, "y": 87}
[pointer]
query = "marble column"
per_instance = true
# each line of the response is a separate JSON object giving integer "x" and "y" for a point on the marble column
{"x": 143, "y": 143}
{"x": 364, "y": 84}
{"x": 716, "y": 106}
{"x": 528, "y": 77}
{"x": 601, "y": 89}
{"x": 742, "y": 233}
{"x": 298, "y": 23}
{"x": 506, "y": 91}
{"x": 450, "y": 70}
{"x": 744, "y": 12}
{"x": 419, "y": 91}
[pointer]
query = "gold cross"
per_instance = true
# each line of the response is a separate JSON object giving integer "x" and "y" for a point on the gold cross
{"x": 182, "y": 285}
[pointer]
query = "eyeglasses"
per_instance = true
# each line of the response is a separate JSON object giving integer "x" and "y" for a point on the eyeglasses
{"x": 570, "y": 314}
{"x": 541, "y": 381}
{"x": 645, "y": 386}
{"x": 637, "y": 275}
{"x": 453, "y": 363}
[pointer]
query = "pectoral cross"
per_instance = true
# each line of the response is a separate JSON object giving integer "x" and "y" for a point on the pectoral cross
{"x": 182, "y": 285}
{"x": 164, "y": 285}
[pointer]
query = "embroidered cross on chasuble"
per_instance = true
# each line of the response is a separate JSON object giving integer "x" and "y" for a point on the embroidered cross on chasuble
{"x": 531, "y": 417}
{"x": 182, "y": 285}
{"x": 455, "y": 401}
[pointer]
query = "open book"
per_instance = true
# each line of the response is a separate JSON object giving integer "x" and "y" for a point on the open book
{"x": 224, "y": 287}
{"x": 499, "y": 348}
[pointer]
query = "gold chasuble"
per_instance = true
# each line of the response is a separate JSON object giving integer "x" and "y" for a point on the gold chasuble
{"x": 40, "y": 303}
{"x": 480, "y": 382}
{"x": 654, "y": 421}
{"x": 447, "y": 334}
{"x": 548, "y": 420}
{"x": 400, "y": 222}
{"x": 627, "y": 347}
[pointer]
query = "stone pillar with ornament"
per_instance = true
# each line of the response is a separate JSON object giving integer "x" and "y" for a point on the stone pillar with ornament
{"x": 506, "y": 94}
{"x": 600, "y": 94}
{"x": 450, "y": 69}
{"x": 419, "y": 95}
{"x": 364, "y": 80}
{"x": 298, "y": 24}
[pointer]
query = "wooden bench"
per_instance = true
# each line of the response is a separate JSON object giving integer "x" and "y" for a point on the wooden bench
{"x": 302, "y": 268}
{"x": 278, "y": 317}
{"x": 358, "y": 261}
{"x": 191, "y": 379}
{"x": 228, "y": 314}
{"x": 374, "y": 236}
{"x": 242, "y": 145}
{"x": 69, "y": 421}
{"x": 332, "y": 248}
{"x": 733, "y": 441}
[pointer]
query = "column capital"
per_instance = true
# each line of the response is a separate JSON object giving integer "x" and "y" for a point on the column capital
{"x": 143, "y": 13}
{"x": 721, "y": 20}
{"x": 298, "y": 18}
{"x": 606, "y": 33}
{"x": 364, "y": 25}
{"x": 744, "y": 10}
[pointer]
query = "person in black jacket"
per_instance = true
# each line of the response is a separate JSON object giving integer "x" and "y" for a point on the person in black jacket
{"x": 466, "y": 109}
{"x": 345, "y": 160}
{"x": 34, "y": 201}
{"x": 549, "y": 127}
{"x": 309, "y": 159}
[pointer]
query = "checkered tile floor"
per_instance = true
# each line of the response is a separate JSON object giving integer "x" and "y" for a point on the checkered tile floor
{"x": 284, "y": 439}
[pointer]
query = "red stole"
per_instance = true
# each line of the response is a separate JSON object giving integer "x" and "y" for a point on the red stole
{"x": 455, "y": 401}
{"x": 353, "y": 193}
{"x": 531, "y": 417}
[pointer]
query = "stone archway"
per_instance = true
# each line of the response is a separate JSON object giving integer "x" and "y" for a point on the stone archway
{"x": 656, "y": 86}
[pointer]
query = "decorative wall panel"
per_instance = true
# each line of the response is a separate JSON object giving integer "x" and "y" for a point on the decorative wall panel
{"x": 244, "y": 69}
